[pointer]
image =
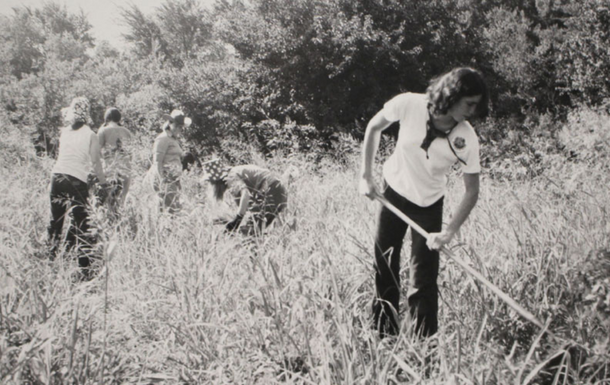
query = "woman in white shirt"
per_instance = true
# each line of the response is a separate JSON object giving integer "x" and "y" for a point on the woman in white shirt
{"x": 78, "y": 151}
{"x": 434, "y": 135}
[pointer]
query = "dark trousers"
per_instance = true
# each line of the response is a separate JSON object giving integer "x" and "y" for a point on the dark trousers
{"x": 265, "y": 207}
{"x": 423, "y": 290}
{"x": 69, "y": 195}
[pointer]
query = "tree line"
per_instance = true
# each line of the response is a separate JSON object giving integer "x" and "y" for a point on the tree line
{"x": 291, "y": 75}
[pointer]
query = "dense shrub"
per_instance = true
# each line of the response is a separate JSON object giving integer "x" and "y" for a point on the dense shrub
{"x": 292, "y": 76}
{"x": 586, "y": 135}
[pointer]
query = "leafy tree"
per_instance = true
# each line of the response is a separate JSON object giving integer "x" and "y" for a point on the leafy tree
{"x": 185, "y": 25}
{"x": 583, "y": 52}
{"x": 332, "y": 64}
{"x": 23, "y": 37}
{"x": 33, "y": 35}
{"x": 549, "y": 57}
{"x": 144, "y": 33}
{"x": 55, "y": 19}
{"x": 178, "y": 30}
{"x": 103, "y": 49}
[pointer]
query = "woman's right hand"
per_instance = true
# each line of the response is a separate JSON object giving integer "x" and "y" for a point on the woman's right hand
{"x": 367, "y": 187}
{"x": 370, "y": 144}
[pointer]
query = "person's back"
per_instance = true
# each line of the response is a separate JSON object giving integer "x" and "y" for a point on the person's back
{"x": 113, "y": 140}
{"x": 113, "y": 136}
{"x": 74, "y": 152}
{"x": 267, "y": 194}
{"x": 254, "y": 177}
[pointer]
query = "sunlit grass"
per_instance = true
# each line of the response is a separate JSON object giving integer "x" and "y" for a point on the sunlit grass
{"x": 177, "y": 300}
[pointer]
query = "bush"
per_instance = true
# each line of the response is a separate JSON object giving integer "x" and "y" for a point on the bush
{"x": 140, "y": 109}
{"x": 586, "y": 135}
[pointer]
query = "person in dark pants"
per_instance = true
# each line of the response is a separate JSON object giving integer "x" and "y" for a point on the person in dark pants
{"x": 255, "y": 189}
{"x": 434, "y": 135}
{"x": 78, "y": 150}
{"x": 69, "y": 196}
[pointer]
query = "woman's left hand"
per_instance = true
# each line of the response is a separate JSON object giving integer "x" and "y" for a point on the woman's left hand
{"x": 437, "y": 240}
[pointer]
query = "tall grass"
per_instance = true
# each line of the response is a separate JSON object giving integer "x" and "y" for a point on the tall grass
{"x": 177, "y": 300}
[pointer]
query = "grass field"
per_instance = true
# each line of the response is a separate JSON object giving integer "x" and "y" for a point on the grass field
{"x": 178, "y": 301}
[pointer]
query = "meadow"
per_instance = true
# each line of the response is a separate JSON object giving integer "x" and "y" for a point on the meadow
{"x": 178, "y": 301}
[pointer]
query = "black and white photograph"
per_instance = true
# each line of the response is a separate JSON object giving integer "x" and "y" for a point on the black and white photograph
{"x": 305, "y": 192}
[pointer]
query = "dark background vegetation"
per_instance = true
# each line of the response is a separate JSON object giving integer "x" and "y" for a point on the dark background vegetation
{"x": 307, "y": 75}
{"x": 297, "y": 81}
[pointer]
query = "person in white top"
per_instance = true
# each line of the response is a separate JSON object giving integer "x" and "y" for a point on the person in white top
{"x": 79, "y": 150}
{"x": 434, "y": 135}
{"x": 114, "y": 141}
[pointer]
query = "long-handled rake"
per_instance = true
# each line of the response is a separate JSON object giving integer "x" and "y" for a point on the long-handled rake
{"x": 503, "y": 296}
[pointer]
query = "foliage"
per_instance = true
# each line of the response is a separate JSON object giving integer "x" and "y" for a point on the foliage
{"x": 506, "y": 41}
{"x": 176, "y": 300}
{"x": 269, "y": 71}
{"x": 33, "y": 35}
{"x": 550, "y": 57}
{"x": 331, "y": 64}
{"x": 583, "y": 62}
{"x": 186, "y": 25}
{"x": 288, "y": 85}
{"x": 586, "y": 135}
{"x": 178, "y": 30}
{"x": 144, "y": 33}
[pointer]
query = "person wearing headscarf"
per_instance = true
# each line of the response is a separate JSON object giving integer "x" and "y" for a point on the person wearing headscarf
{"x": 167, "y": 161}
{"x": 434, "y": 135}
{"x": 114, "y": 140}
{"x": 79, "y": 150}
{"x": 255, "y": 189}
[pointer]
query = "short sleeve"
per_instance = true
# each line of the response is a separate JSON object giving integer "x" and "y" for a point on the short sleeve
{"x": 473, "y": 162}
{"x": 396, "y": 108}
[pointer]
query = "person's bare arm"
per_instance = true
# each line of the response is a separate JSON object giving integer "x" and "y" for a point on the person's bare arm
{"x": 96, "y": 159}
{"x": 370, "y": 145}
{"x": 244, "y": 201}
{"x": 159, "y": 150}
{"x": 469, "y": 200}
{"x": 101, "y": 137}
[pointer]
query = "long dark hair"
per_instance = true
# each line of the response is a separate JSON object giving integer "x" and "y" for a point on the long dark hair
{"x": 219, "y": 187}
{"x": 446, "y": 90}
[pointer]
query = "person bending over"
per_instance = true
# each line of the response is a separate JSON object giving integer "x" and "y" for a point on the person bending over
{"x": 255, "y": 190}
{"x": 434, "y": 135}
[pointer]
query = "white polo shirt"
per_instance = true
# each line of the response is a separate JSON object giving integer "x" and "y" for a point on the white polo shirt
{"x": 422, "y": 180}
